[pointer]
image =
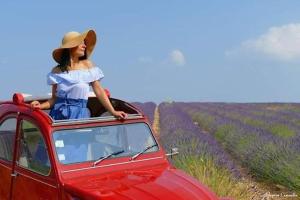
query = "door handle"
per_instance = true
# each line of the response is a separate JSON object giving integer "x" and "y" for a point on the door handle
{"x": 14, "y": 175}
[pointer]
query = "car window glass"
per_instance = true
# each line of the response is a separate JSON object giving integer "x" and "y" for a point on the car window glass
{"x": 7, "y": 136}
{"x": 130, "y": 137}
{"x": 109, "y": 135}
{"x": 137, "y": 140}
{"x": 88, "y": 144}
{"x": 33, "y": 152}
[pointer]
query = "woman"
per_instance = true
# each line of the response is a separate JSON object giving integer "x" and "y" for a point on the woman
{"x": 72, "y": 77}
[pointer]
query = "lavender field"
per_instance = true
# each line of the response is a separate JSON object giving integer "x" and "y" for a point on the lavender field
{"x": 147, "y": 108}
{"x": 263, "y": 139}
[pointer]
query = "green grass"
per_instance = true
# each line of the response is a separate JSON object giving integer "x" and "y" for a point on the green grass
{"x": 204, "y": 120}
{"x": 281, "y": 130}
{"x": 218, "y": 179}
{"x": 253, "y": 122}
{"x": 223, "y": 132}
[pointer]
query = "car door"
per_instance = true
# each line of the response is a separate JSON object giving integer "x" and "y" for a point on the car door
{"x": 34, "y": 175}
{"x": 7, "y": 140}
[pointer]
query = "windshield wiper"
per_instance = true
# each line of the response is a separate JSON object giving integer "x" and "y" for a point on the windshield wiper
{"x": 143, "y": 151}
{"x": 108, "y": 156}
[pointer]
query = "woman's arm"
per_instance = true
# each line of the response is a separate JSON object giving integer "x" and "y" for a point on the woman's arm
{"x": 49, "y": 103}
{"x": 101, "y": 95}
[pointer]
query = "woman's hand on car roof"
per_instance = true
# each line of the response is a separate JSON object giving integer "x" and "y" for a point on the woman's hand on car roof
{"x": 119, "y": 114}
{"x": 35, "y": 105}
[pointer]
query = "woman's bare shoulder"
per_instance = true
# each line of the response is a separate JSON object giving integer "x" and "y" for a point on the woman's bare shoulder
{"x": 88, "y": 64}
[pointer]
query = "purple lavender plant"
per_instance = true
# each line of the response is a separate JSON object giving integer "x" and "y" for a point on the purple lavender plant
{"x": 178, "y": 129}
{"x": 147, "y": 108}
{"x": 267, "y": 156}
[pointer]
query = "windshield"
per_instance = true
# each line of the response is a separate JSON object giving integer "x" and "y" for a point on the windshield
{"x": 90, "y": 144}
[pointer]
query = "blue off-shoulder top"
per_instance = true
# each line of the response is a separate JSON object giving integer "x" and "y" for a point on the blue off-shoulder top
{"x": 74, "y": 84}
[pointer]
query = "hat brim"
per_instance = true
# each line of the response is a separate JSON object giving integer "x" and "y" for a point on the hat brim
{"x": 90, "y": 39}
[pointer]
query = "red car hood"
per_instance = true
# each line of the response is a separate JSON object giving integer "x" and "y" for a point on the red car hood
{"x": 143, "y": 184}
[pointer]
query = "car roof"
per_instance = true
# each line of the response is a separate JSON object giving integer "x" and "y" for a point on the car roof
{"x": 98, "y": 112}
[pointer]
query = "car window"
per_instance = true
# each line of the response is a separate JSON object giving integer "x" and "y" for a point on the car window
{"x": 89, "y": 144}
{"x": 7, "y": 137}
{"x": 33, "y": 153}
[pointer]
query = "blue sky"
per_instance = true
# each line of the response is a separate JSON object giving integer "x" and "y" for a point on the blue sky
{"x": 225, "y": 50}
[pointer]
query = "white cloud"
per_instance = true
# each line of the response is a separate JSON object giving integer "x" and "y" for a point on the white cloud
{"x": 281, "y": 42}
{"x": 177, "y": 57}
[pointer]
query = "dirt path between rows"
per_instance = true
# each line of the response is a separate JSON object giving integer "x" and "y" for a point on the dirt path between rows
{"x": 155, "y": 124}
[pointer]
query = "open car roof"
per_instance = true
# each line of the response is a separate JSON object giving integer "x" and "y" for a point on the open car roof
{"x": 98, "y": 112}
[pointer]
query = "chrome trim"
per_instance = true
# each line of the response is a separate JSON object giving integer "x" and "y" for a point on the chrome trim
{"x": 102, "y": 166}
{"x": 35, "y": 179}
{"x": 94, "y": 119}
{"x": 33, "y": 98}
{"x": 29, "y": 97}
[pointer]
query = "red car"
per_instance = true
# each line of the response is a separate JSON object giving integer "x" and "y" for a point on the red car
{"x": 94, "y": 158}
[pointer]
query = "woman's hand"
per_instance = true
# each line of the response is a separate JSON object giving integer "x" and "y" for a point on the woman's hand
{"x": 36, "y": 104}
{"x": 101, "y": 95}
{"x": 119, "y": 114}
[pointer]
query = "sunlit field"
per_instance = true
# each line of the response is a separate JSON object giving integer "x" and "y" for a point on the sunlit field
{"x": 237, "y": 150}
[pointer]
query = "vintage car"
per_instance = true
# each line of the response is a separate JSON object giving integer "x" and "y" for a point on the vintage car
{"x": 95, "y": 158}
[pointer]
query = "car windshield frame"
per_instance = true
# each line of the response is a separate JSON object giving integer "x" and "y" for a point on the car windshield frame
{"x": 87, "y": 128}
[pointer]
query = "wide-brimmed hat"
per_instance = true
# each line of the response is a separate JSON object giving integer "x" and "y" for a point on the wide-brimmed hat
{"x": 73, "y": 39}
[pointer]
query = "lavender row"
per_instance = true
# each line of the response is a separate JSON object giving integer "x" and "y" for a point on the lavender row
{"x": 267, "y": 156}
{"x": 267, "y": 124}
{"x": 222, "y": 119}
{"x": 178, "y": 130}
{"x": 287, "y": 114}
{"x": 148, "y": 108}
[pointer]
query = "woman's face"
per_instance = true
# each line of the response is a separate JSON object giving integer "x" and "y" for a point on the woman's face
{"x": 78, "y": 51}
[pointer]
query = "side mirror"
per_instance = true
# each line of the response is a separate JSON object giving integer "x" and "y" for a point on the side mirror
{"x": 174, "y": 151}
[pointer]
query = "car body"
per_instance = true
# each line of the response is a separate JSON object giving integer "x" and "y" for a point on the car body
{"x": 94, "y": 158}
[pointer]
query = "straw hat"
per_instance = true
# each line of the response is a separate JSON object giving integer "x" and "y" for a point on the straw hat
{"x": 73, "y": 39}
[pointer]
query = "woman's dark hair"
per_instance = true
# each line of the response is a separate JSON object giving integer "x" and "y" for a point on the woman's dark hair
{"x": 65, "y": 60}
